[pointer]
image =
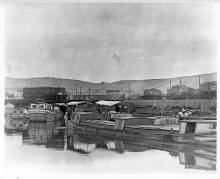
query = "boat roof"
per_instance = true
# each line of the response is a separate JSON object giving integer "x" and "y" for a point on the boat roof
{"x": 76, "y": 102}
{"x": 107, "y": 103}
{"x": 39, "y": 103}
{"x": 60, "y": 104}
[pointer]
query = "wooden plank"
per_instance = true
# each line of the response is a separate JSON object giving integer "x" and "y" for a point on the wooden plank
{"x": 199, "y": 121}
{"x": 204, "y": 118}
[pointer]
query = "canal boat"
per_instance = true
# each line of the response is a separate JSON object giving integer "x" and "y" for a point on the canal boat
{"x": 84, "y": 110}
{"x": 201, "y": 132}
{"x": 15, "y": 124}
{"x": 19, "y": 114}
{"x": 42, "y": 112}
{"x": 79, "y": 111}
{"x": 112, "y": 110}
{"x": 9, "y": 108}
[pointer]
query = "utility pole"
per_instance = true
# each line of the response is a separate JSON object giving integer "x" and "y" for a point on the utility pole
{"x": 76, "y": 89}
{"x": 170, "y": 84}
{"x": 129, "y": 93}
{"x": 180, "y": 82}
{"x": 199, "y": 81}
{"x": 89, "y": 93}
{"x": 80, "y": 92}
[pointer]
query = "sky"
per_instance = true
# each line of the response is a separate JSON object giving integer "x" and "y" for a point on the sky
{"x": 109, "y": 41}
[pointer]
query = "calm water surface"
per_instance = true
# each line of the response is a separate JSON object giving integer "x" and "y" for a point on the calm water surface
{"x": 48, "y": 147}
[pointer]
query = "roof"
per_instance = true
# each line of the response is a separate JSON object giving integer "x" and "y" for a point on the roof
{"x": 75, "y": 102}
{"x": 40, "y": 103}
{"x": 112, "y": 90}
{"x": 152, "y": 89}
{"x": 107, "y": 103}
{"x": 60, "y": 104}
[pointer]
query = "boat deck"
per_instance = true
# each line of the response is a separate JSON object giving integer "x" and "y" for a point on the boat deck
{"x": 101, "y": 122}
{"x": 150, "y": 127}
{"x": 168, "y": 133}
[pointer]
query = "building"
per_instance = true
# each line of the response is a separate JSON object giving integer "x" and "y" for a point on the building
{"x": 97, "y": 97}
{"x": 208, "y": 90}
{"x": 208, "y": 86}
{"x": 136, "y": 96}
{"x": 112, "y": 92}
{"x": 180, "y": 92}
{"x": 196, "y": 91}
{"x": 13, "y": 93}
{"x": 45, "y": 93}
{"x": 152, "y": 93}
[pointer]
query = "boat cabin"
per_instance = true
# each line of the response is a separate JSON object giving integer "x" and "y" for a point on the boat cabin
{"x": 197, "y": 126}
{"x": 41, "y": 106}
{"x": 111, "y": 110}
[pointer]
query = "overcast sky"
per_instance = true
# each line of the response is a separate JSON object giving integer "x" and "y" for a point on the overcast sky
{"x": 109, "y": 42}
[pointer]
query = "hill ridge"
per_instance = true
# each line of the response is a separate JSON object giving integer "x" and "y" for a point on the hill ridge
{"x": 137, "y": 86}
{"x": 47, "y": 77}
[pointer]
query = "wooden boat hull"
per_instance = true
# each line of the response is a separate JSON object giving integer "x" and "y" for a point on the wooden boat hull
{"x": 160, "y": 133}
{"x": 42, "y": 115}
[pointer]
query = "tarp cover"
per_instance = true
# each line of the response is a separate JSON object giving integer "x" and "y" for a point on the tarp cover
{"x": 107, "y": 103}
{"x": 75, "y": 102}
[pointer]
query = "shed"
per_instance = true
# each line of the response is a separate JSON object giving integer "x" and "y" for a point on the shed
{"x": 197, "y": 126}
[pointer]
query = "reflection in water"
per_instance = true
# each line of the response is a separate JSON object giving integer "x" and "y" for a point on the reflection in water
{"x": 196, "y": 162}
{"x": 52, "y": 135}
{"x": 14, "y": 125}
{"x": 44, "y": 133}
{"x": 75, "y": 138}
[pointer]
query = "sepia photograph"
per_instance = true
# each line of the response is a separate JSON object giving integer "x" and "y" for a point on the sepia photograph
{"x": 109, "y": 88}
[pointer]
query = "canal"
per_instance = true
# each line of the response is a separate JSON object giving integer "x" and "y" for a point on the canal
{"x": 47, "y": 147}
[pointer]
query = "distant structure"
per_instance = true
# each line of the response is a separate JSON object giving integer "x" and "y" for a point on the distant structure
{"x": 180, "y": 92}
{"x": 97, "y": 97}
{"x": 103, "y": 83}
{"x": 208, "y": 90}
{"x": 14, "y": 94}
{"x": 112, "y": 92}
{"x": 45, "y": 93}
{"x": 152, "y": 93}
{"x": 136, "y": 96}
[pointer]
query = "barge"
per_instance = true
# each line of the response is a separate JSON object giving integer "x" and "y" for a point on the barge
{"x": 196, "y": 132}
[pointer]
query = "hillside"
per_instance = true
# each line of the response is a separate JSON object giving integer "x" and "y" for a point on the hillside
{"x": 137, "y": 86}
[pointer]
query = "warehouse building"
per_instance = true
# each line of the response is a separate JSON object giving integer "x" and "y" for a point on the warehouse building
{"x": 45, "y": 93}
{"x": 152, "y": 93}
{"x": 180, "y": 92}
{"x": 208, "y": 90}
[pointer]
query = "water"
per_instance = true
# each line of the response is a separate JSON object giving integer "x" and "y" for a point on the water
{"x": 48, "y": 147}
